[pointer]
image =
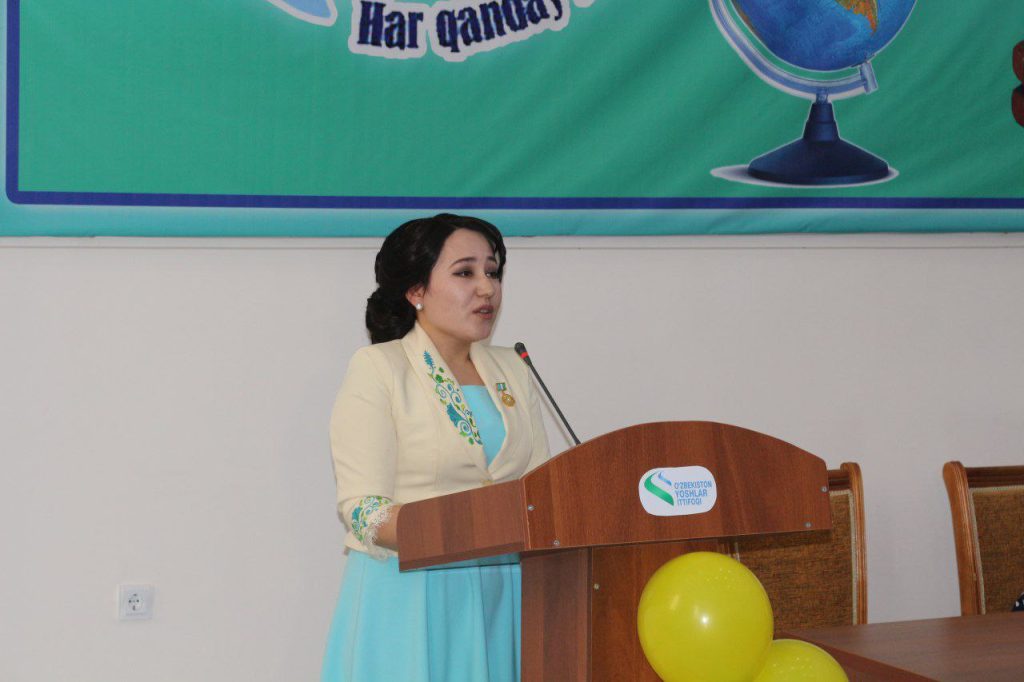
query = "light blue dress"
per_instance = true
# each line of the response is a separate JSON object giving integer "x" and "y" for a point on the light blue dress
{"x": 439, "y": 625}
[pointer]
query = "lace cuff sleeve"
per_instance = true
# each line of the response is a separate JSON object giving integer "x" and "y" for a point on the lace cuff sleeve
{"x": 370, "y": 514}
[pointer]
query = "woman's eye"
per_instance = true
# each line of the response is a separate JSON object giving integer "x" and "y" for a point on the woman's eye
{"x": 492, "y": 274}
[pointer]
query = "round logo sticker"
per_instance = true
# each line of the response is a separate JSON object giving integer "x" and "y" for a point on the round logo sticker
{"x": 678, "y": 491}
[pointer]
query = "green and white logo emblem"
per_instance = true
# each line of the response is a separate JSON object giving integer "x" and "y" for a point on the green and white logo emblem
{"x": 678, "y": 491}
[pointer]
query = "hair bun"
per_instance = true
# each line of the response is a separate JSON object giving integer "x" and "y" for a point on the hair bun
{"x": 388, "y": 317}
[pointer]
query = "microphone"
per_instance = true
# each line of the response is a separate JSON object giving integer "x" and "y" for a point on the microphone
{"x": 525, "y": 355}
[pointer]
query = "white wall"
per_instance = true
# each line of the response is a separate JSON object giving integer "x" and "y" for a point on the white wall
{"x": 163, "y": 412}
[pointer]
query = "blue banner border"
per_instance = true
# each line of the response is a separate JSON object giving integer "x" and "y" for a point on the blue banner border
{"x": 52, "y": 198}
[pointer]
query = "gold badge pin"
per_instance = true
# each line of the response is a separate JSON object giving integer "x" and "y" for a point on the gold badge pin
{"x": 506, "y": 397}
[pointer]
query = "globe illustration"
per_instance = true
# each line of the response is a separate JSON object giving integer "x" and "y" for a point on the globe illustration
{"x": 822, "y": 51}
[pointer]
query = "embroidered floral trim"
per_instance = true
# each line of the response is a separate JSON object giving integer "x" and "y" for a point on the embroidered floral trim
{"x": 451, "y": 397}
{"x": 370, "y": 514}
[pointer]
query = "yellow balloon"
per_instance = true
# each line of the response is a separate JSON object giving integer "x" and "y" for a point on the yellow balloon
{"x": 705, "y": 617}
{"x": 791, "y": 660}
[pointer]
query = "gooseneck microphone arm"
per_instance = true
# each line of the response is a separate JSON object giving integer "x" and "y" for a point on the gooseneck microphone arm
{"x": 525, "y": 355}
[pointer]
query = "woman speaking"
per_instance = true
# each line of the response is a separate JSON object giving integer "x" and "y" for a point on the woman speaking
{"x": 429, "y": 409}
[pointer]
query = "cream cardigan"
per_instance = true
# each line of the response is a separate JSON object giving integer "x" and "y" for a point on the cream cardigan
{"x": 400, "y": 427}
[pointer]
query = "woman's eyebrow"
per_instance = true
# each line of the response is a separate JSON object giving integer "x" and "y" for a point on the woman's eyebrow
{"x": 471, "y": 259}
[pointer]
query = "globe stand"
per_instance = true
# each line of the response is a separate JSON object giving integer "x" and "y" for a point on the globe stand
{"x": 820, "y": 157}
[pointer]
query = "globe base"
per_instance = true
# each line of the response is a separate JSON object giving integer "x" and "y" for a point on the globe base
{"x": 820, "y": 157}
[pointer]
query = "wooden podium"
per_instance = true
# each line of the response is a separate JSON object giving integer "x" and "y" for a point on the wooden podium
{"x": 588, "y": 546}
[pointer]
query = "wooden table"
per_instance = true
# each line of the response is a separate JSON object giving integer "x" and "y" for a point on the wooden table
{"x": 988, "y": 648}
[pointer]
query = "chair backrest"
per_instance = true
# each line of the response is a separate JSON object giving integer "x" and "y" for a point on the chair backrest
{"x": 987, "y": 506}
{"x": 817, "y": 578}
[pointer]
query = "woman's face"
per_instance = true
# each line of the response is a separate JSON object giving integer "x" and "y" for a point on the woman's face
{"x": 461, "y": 300}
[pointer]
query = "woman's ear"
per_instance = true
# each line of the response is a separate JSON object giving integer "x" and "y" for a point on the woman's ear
{"x": 415, "y": 295}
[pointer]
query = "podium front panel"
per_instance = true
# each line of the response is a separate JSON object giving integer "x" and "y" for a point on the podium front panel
{"x": 591, "y": 495}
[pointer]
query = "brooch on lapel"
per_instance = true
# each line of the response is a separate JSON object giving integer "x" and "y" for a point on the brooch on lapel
{"x": 506, "y": 397}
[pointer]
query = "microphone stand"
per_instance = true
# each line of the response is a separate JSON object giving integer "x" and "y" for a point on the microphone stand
{"x": 525, "y": 355}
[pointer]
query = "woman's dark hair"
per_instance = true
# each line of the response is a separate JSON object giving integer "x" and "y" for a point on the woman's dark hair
{"x": 406, "y": 259}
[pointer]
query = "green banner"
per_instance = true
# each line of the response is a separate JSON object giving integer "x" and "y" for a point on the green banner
{"x": 330, "y": 117}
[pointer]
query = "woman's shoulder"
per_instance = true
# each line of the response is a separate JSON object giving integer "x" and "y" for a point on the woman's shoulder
{"x": 373, "y": 371}
{"x": 379, "y": 358}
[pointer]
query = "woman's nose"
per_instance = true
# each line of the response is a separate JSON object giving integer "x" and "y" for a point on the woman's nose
{"x": 486, "y": 286}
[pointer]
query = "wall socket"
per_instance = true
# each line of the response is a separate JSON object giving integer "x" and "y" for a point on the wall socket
{"x": 134, "y": 602}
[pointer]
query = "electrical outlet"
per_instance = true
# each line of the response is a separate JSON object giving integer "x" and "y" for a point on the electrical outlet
{"x": 134, "y": 602}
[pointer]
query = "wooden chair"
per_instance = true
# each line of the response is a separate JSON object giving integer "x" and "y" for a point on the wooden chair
{"x": 987, "y": 506}
{"x": 818, "y": 578}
